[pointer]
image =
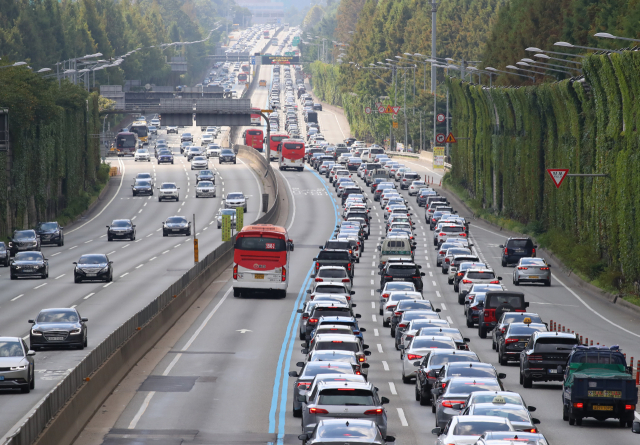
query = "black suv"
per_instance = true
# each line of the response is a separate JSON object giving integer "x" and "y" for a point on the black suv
{"x": 50, "y": 233}
{"x": 544, "y": 353}
{"x": 495, "y": 304}
{"x": 430, "y": 366}
{"x": 402, "y": 272}
{"x": 24, "y": 241}
{"x": 334, "y": 257}
{"x": 516, "y": 248}
{"x": 515, "y": 339}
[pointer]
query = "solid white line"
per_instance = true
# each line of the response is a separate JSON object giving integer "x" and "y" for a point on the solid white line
{"x": 293, "y": 215}
{"x": 392, "y": 388}
{"x": 206, "y": 320}
{"x": 376, "y": 333}
{"x": 380, "y": 348}
{"x": 38, "y": 287}
{"x": 108, "y": 284}
{"x": 385, "y": 365}
{"x": 373, "y": 317}
{"x": 107, "y": 205}
{"x": 372, "y": 282}
{"x": 403, "y": 419}
{"x": 89, "y": 296}
{"x": 141, "y": 411}
{"x": 102, "y": 236}
{"x": 60, "y": 276}
{"x": 14, "y": 299}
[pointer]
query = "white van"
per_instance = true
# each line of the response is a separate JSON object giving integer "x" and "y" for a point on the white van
{"x": 395, "y": 247}
{"x": 373, "y": 152}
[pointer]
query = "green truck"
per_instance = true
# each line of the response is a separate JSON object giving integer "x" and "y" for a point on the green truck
{"x": 598, "y": 384}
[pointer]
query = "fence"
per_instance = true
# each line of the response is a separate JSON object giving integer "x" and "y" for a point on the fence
{"x": 53, "y": 402}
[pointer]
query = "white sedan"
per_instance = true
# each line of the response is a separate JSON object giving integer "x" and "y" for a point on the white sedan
{"x": 207, "y": 138}
{"x": 199, "y": 163}
{"x": 415, "y": 187}
{"x": 142, "y": 154}
{"x": 213, "y": 150}
{"x": 205, "y": 189}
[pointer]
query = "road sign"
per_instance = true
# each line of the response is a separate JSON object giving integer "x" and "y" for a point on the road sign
{"x": 389, "y": 109}
{"x": 381, "y": 109}
{"x": 226, "y": 227}
{"x": 239, "y": 218}
{"x": 367, "y": 110}
{"x": 440, "y": 138}
{"x": 557, "y": 175}
{"x": 253, "y": 60}
{"x": 378, "y": 104}
{"x": 395, "y": 124}
{"x": 395, "y": 110}
{"x": 450, "y": 139}
{"x": 267, "y": 111}
{"x": 438, "y": 157}
{"x": 195, "y": 250}
{"x": 440, "y": 118}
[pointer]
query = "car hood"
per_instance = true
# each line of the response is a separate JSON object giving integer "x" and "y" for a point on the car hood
{"x": 25, "y": 240}
{"x": 176, "y": 224}
{"x": 28, "y": 263}
{"x": 92, "y": 266}
{"x": 462, "y": 440}
{"x": 56, "y": 326}
{"x": 7, "y": 362}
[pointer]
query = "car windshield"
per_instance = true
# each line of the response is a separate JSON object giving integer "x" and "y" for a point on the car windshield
{"x": 343, "y": 432}
{"x": 235, "y": 196}
{"x": 551, "y": 344}
{"x": 314, "y": 368}
{"x": 176, "y": 220}
{"x": 199, "y": 158}
{"x": 121, "y": 223}
{"x": 205, "y": 184}
{"x": 143, "y": 150}
{"x": 28, "y": 256}
{"x": 48, "y": 226}
{"x": 23, "y": 234}
{"x": 11, "y": 348}
{"x": 143, "y": 183}
{"x": 469, "y": 386}
{"x": 514, "y": 300}
{"x": 488, "y": 398}
{"x": 206, "y": 173}
{"x": 168, "y": 186}
{"x": 346, "y": 397}
{"x": 92, "y": 259}
{"x": 62, "y": 316}
{"x": 519, "y": 243}
{"x": 194, "y": 149}
{"x": 470, "y": 371}
{"x": 324, "y": 255}
{"x": 409, "y": 305}
{"x": 227, "y": 152}
{"x": 478, "y": 428}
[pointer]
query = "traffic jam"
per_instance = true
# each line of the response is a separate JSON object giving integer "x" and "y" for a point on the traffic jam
{"x": 386, "y": 207}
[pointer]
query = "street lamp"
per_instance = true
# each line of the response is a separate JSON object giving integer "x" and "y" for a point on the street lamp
{"x": 14, "y": 65}
{"x": 538, "y": 50}
{"x": 43, "y": 70}
{"x": 606, "y": 35}
{"x": 541, "y": 67}
{"x": 536, "y": 63}
{"x": 570, "y": 45}
{"x": 544, "y": 56}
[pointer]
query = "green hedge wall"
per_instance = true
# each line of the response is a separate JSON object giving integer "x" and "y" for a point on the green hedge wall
{"x": 53, "y": 167}
{"x": 588, "y": 126}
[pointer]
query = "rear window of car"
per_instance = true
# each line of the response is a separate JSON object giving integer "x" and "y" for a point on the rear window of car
{"x": 467, "y": 387}
{"x": 525, "y": 330}
{"x": 519, "y": 244}
{"x": 409, "y": 305}
{"x": 338, "y": 345}
{"x": 551, "y": 344}
{"x": 478, "y": 428}
{"x": 330, "y": 289}
{"x": 324, "y": 255}
{"x": 452, "y": 229}
{"x": 480, "y": 275}
{"x": 332, "y": 273}
{"x": 514, "y": 300}
{"x": 346, "y": 396}
{"x": 331, "y": 312}
{"x": 401, "y": 268}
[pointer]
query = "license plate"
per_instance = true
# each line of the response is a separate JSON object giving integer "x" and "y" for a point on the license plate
{"x": 55, "y": 338}
{"x": 602, "y": 408}
{"x": 92, "y": 274}
{"x": 398, "y": 279}
{"x": 552, "y": 371}
{"x": 175, "y": 230}
{"x": 259, "y": 276}
{"x": 518, "y": 250}
{"x": 534, "y": 276}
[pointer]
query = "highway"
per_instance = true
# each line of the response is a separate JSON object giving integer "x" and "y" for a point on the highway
{"x": 224, "y": 379}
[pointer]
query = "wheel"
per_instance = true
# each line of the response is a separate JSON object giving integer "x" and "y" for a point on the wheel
{"x": 406, "y": 379}
{"x": 219, "y": 226}
{"x": 110, "y": 278}
{"x": 381, "y": 312}
{"x": 46, "y": 275}
{"x": 572, "y": 420}
{"x": 189, "y": 233}
{"x": 482, "y": 331}
{"x": 469, "y": 323}
{"x": 527, "y": 382}
{"x": 133, "y": 237}
{"x": 393, "y": 333}
{"x": 516, "y": 282}
{"x": 13, "y": 277}
{"x": 236, "y": 292}
{"x": 502, "y": 359}
{"x": 77, "y": 279}
{"x": 297, "y": 412}
{"x": 424, "y": 400}
{"x": 460, "y": 298}
{"x": 234, "y": 162}
{"x": 109, "y": 238}
{"x": 455, "y": 287}
{"x": 86, "y": 341}
{"x": 565, "y": 413}
{"x": 579, "y": 421}
{"x": 504, "y": 263}
{"x": 548, "y": 282}
{"x": 164, "y": 233}
{"x": 245, "y": 209}
{"x": 521, "y": 382}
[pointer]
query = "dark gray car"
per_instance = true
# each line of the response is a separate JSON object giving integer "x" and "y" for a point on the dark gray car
{"x": 345, "y": 432}
{"x": 307, "y": 374}
{"x": 56, "y": 327}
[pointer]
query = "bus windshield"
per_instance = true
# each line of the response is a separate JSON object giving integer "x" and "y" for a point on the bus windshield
{"x": 293, "y": 146}
{"x": 261, "y": 244}
{"x": 140, "y": 130}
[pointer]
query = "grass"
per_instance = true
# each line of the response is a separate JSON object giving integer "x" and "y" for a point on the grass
{"x": 580, "y": 258}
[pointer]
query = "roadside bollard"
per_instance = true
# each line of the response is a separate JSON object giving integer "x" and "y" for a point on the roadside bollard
{"x": 591, "y": 343}
{"x": 581, "y": 340}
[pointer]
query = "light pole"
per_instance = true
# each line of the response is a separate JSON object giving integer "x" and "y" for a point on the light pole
{"x": 536, "y": 63}
{"x": 570, "y": 45}
{"x": 606, "y": 35}
{"x": 538, "y": 50}
{"x": 434, "y": 10}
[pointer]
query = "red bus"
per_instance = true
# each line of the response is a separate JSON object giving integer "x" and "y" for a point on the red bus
{"x": 256, "y": 118}
{"x": 254, "y": 138}
{"x": 291, "y": 154}
{"x": 242, "y": 78}
{"x": 276, "y": 138}
{"x": 261, "y": 260}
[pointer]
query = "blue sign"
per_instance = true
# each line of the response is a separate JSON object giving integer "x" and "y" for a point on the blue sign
{"x": 253, "y": 60}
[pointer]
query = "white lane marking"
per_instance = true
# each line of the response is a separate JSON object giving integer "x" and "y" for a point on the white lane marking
{"x": 430, "y": 273}
{"x": 38, "y": 287}
{"x": 108, "y": 284}
{"x": 102, "y": 236}
{"x": 392, "y": 389}
{"x": 138, "y": 267}
{"x": 71, "y": 248}
{"x": 373, "y": 305}
{"x": 371, "y": 272}
{"x": 133, "y": 218}
{"x": 293, "y": 215}
{"x": 125, "y": 246}
{"x": 376, "y": 333}
{"x": 380, "y": 348}
{"x": 124, "y": 274}
{"x": 72, "y": 306}
{"x": 60, "y": 276}
{"x": 372, "y": 282}
{"x": 89, "y": 296}
{"x": 151, "y": 259}
{"x": 159, "y": 230}
{"x": 140, "y": 211}
{"x": 113, "y": 251}
{"x": 428, "y": 266}
{"x": 444, "y": 308}
{"x": 151, "y": 234}
{"x": 403, "y": 419}
{"x": 87, "y": 242}
{"x": 373, "y": 263}
{"x": 385, "y": 365}
{"x": 107, "y": 205}
{"x": 449, "y": 320}
{"x": 14, "y": 299}
{"x": 438, "y": 294}
{"x": 142, "y": 409}
{"x": 434, "y": 283}
{"x": 57, "y": 253}
{"x": 165, "y": 252}
{"x": 373, "y": 317}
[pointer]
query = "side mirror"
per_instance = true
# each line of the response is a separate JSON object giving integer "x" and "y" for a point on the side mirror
{"x": 500, "y": 278}
{"x": 502, "y": 375}
{"x": 378, "y": 247}
{"x": 74, "y": 262}
{"x": 465, "y": 339}
{"x": 422, "y": 274}
{"x": 636, "y": 427}
{"x": 316, "y": 259}
{"x": 31, "y": 321}
{"x": 353, "y": 293}
{"x": 293, "y": 373}
{"x": 389, "y": 439}
{"x": 304, "y": 437}
{"x": 300, "y": 311}
{"x": 353, "y": 305}
{"x": 419, "y": 266}
{"x": 384, "y": 400}
{"x": 107, "y": 227}
{"x": 363, "y": 329}
{"x": 302, "y": 397}
{"x": 365, "y": 346}
{"x": 531, "y": 408}
{"x": 438, "y": 310}
{"x": 320, "y": 247}
{"x": 535, "y": 421}
{"x": 401, "y": 347}
{"x": 304, "y": 345}
{"x": 365, "y": 365}
{"x": 84, "y": 319}
{"x": 308, "y": 291}
{"x": 526, "y": 304}
{"x": 436, "y": 431}
{"x": 358, "y": 316}
{"x": 367, "y": 353}
{"x": 379, "y": 290}
{"x": 31, "y": 353}
{"x": 300, "y": 364}
{"x": 305, "y": 351}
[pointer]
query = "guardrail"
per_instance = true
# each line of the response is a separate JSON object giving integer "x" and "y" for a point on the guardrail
{"x": 64, "y": 391}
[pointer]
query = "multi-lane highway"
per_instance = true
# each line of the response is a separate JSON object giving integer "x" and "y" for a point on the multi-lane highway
{"x": 224, "y": 378}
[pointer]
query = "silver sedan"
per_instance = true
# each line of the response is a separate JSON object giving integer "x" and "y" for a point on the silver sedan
{"x": 532, "y": 270}
{"x": 16, "y": 364}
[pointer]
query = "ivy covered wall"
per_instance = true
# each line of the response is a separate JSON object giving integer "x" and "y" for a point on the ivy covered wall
{"x": 588, "y": 126}
{"x": 53, "y": 167}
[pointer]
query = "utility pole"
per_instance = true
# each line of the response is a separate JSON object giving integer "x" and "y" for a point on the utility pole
{"x": 446, "y": 118}
{"x": 434, "y": 10}
{"x": 404, "y": 107}
{"x": 435, "y": 113}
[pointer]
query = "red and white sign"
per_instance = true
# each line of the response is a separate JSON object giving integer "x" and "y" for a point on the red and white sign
{"x": 367, "y": 110}
{"x": 381, "y": 109}
{"x": 395, "y": 110}
{"x": 378, "y": 104}
{"x": 440, "y": 138}
{"x": 440, "y": 118}
{"x": 558, "y": 175}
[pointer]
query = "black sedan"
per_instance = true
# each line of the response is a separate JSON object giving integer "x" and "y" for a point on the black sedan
{"x": 165, "y": 156}
{"x": 317, "y": 107}
{"x": 50, "y": 233}
{"x": 142, "y": 187}
{"x": 4, "y": 254}
{"x": 24, "y": 241}
{"x": 176, "y": 225}
{"x": 94, "y": 266}
{"x": 58, "y": 327}
{"x": 121, "y": 229}
{"x": 205, "y": 175}
{"x": 29, "y": 264}
{"x": 227, "y": 155}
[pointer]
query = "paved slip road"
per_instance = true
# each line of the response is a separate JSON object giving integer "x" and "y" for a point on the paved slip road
{"x": 143, "y": 268}
{"x": 225, "y": 379}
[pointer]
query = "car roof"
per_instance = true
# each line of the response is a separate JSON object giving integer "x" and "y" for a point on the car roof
{"x": 554, "y": 334}
{"x": 337, "y": 337}
{"x": 335, "y": 385}
{"x": 476, "y": 418}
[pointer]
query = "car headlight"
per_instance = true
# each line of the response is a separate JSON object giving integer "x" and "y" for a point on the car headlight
{"x": 17, "y": 267}
{"x": 75, "y": 331}
{"x": 18, "y": 368}
{"x": 105, "y": 268}
{"x": 34, "y": 332}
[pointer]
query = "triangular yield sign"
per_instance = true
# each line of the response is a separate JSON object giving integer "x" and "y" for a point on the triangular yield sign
{"x": 388, "y": 109}
{"x": 450, "y": 139}
{"x": 558, "y": 175}
{"x": 395, "y": 110}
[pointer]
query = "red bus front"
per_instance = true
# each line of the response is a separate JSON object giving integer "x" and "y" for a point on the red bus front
{"x": 256, "y": 118}
{"x": 254, "y": 138}
{"x": 276, "y": 138}
{"x": 242, "y": 78}
{"x": 292, "y": 154}
{"x": 261, "y": 260}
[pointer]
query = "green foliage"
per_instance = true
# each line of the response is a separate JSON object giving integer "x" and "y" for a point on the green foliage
{"x": 592, "y": 224}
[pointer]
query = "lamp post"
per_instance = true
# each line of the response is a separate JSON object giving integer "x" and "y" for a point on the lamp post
{"x": 536, "y": 63}
{"x": 434, "y": 10}
{"x": 570, "y": 45}
{"x": 606, "y": 35}
{"x": 538, "y": 50}
{"x": 14, "y": 65}
{"x": 545, "y": 57}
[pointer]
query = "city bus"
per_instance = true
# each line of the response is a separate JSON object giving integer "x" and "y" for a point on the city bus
{"x": 235, "y": 27}
{"x": 276, "y": 138}
{"x": 261, "y": 260}
{"x": 140, "y": 128}
{"x": 256, "y": 118}
{"x": 126, "y": 143}
{"x": 242, "y": 78}
{"x": 265, "y": 34}
{"x": 291, "y": 154}
{"x": 254, "y": 138}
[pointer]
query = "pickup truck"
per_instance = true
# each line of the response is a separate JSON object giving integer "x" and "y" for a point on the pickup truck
{"x": 334, "y": 257}
{"x": 598, "y": 383}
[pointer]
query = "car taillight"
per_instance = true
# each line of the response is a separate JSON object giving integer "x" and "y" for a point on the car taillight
{"x": 317, "y": 266}
{"x": 530, "y": 430}
{"x": 441, "y": 234}
{"x": 319, "y": 280}
{"x": 630, "y": 407}
{"x": 358, "y": 243}
{"x": 467, "y": 281}
{"x": 460, "y": 274}
{"x": 444, "y": 384}
{"x": 346, "y": 280}
{"x": 373, "y": 412}
{"x": 505, "y": 251}
{"x": 361, "y": 359}
{"x": 304, "y": 317}
{"x": 388, "y": 276}
{"x": 349, "y": 266}
{"x": 463, "y": 234}
{"x": 578, "y": 405}
{"x": 450, "y": 403}
{"x": 535, "y": 358}
{"x": 312, "y": 297}
{"x": 503, "y": 330}
{"x": 533, "y": 252}
{"x": 284, "y": 274}
{"x": 313, "y": 321}
{"x": 402, "y": 325}
{"x": 511, "y": 340}
{"x": 397, "y": 313}
{"x": 385, "y": 295}
{"x": 235, "y": 271}
{"x": 350, "y": 252}
{"x": 522, "y": 268}
{"x": 544, "y": 268}
{"x": 442, "y": 252}
{"x": 446, "y": 260}
{"x": 318, "y": 411}
{"x": 494, "y": 282}
{"x": 413, "y": 357}
{"x": 299, "y": 384}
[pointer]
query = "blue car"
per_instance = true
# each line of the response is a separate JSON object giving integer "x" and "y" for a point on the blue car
{"x": 165, "y": 158}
